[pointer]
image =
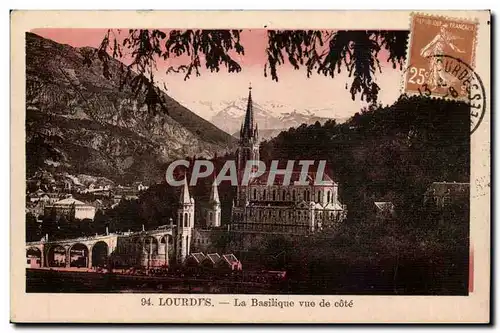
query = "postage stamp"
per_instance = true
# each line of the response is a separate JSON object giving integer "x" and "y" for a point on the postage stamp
{"x": 250, "y": 167}
{"x": 431, "y": 39}
{"x": 440, "y": 62}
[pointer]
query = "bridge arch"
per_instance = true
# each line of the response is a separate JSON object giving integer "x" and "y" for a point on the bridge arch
{"x": 167, "y": 249}
{"x": 56, "y": 256}
{"x": 34, "y": 257}
{"x": 168, "y": 238}
{"x": 100, "y": 252}
{"x": 151, "y": 245}
{"x": 79, "y": 255}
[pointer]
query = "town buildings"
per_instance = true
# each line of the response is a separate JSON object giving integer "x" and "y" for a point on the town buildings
{"x": 384, "y": 209}
{"x": 259, "y": 207}
{"x": 443, "y": 194}
{"x": 71, "y": 209}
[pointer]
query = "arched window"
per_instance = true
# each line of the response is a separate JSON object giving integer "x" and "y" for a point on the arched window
{"x": 254, "y": 194}
{"x": 284, "y": 195}
{"x": 264, "y": 195}
{"x": 210, "y": 216}
{"x": 293, "y": 195}
{"x": 319, "y": 196}
{"x": 328, "y": 196}
{"x": 274, "y": 195}
{"x": 185, "y": 219}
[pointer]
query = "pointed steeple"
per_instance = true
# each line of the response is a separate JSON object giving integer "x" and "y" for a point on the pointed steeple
{"x": 214, "y": 194}
{"x": 241, "y": 131}
{"x": 248, "y": 125}
{"x": 184, "y": 197}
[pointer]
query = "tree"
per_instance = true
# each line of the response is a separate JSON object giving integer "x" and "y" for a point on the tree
{"x": 33, "y": 232}
{"x": 323, "y": 52}
{"x": 65, "y": 229}
{"x": 220, "y": 241}
{"x": 49, "y": 224}
{"x": 100, "y": 222}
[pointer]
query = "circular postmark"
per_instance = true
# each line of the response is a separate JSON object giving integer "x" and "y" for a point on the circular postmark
{"x": 450, "y": 78}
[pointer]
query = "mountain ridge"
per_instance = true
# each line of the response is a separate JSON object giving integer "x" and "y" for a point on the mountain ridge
{"x": 87, "y": 122}
{"x": 270, "y": 123}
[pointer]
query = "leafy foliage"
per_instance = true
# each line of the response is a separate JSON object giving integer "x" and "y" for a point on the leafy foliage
{"x": 318, "y": 51}
{"x": 145, "y": 47}
{"x": 33, "y": 230}
{"x": 328, "y": 53}
{"x": 391, "y": 153}
{"x": 386, "y": 256}
{"x": 386, "y": 154}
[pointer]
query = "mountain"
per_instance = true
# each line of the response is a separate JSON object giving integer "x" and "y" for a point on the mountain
{"x": 271, "y": 117}
{"x": 79, "y": 121}
{"x": 230, "y": 117}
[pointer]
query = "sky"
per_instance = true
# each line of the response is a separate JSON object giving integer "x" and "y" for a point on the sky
{"x": 329, "y": 97}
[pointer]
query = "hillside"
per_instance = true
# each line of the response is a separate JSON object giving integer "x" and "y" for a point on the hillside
{"x": 388, "y": 153}
{"x": 384, "y": 154}
{"x": 391, "y": 154}
{"x": 79, "y": 121}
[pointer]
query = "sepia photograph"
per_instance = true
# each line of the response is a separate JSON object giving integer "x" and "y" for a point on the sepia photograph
{"x": 271, "y": 161}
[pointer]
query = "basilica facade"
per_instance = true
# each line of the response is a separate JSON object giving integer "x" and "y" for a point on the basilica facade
{"x": 281, "y": 207}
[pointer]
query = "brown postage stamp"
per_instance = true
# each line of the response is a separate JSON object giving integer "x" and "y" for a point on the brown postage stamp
{"x": 250, "y": 167}
{"x": 441, "y": 56}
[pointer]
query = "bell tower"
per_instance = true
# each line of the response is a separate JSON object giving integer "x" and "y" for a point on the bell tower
{"x": 248, "y": 148}
{"x": 185, "y": 223}
{"x": 214, "y": 210}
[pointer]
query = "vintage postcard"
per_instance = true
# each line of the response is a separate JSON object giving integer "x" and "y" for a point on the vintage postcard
{"x": 250, "y": 167}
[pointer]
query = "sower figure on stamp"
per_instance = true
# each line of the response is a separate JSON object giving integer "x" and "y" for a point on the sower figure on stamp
{"x": 438, "y": 77}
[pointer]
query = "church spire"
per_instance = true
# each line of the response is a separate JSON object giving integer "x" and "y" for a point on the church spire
{"x": 248, "y": 125}
{"x": 184, "y": 197}
{"x": 214, "y": 194}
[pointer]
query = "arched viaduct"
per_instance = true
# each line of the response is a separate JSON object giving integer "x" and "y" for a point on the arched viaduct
{"x": 151, "y": 248}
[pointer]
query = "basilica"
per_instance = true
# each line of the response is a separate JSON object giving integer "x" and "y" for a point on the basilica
{"x": 260, "y": 207}
{"x": 282, "y": 207}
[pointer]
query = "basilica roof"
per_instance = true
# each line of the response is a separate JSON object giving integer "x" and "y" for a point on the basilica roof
{"x": 295, "y": 176}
